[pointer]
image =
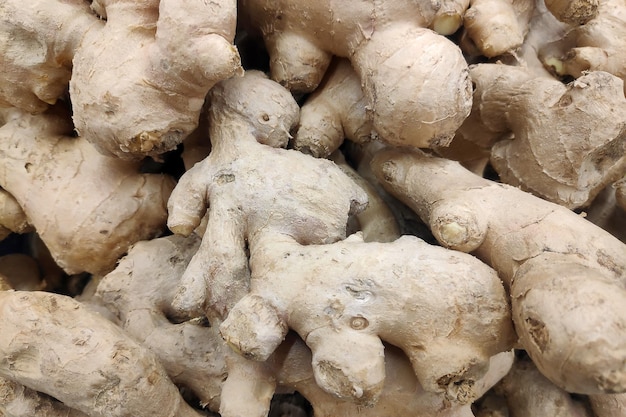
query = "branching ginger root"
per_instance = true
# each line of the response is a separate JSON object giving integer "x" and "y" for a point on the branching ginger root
{"x": 337, "y": 110}
{"x": 87, "y": 208}
{"x": 565, "y": 275}
{"x": 415, "y": 80}
{"x": 569, "y": 140}
{"x": 52, "y": 344}
{"x": 238, "y": 183}
{"x": 351, "y": 294}
{"x": 138, "y": 292}
{"x": 594, "y": 46}
{"x": 159, "y": 54}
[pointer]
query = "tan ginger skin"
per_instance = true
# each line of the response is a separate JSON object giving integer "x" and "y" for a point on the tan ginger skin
{"x": 142, "y": 56}
{"x": 495, "y": 27}
{"x": 52, "y": 344}
{"x": 415, "y": 80}
{"x": 16, "y": 400}
{"x": 569, "y": 140}
{"x": 529, "y": 394}
{"x": 337, "y": 110}
{"x": 447, "y": 312}
{"x": 96, "y": 206}
{"x": 138, "y": 293}
{"x": 558, "y": 267}
{"x": 595, "y": 46}
{"x": 236, "y": 184}
{"x": 12, "y": 217}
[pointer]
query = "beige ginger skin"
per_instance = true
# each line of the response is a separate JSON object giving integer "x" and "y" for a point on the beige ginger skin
{"x": 594, "y": 46}
{"x": 559, "y": 268}
{"x": 12, "y": 217}
{"x": 142, "y": 56}
{"x": 237, "y": 186}
{"x": 415, "y": 80}
{"x": 97, "y": 206}
{"x": 569, "y": 139}
{"x": 52, "y": 344}
{"x": 447, "y": 312}
{"x": 139, "y": 292}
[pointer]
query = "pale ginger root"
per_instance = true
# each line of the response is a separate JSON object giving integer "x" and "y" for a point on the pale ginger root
{"x": 16, "y": 400}
{"x": 606, "y": 213}
{"x": 529, "y": 394}
{"x": 569, "y": 140}
{"x": 37, "y": 44}
{"x": 138, "y": 293}
{"x": 337, "y": 110}
{"x": 87, "y": 208}
{"x": 594, "y": 46}
{"x": 446, "y": 311}
{"x": 415, "y": 80}
{"x": 449, "y": 18}
{"x": 250, "y": 186}
{"x": 573, "y": 12}
{"x": 608, "y": 405}
{"x": 377, "y": 222}
{"x": 496, "y": 27}
{"x": 565, "y": 275}
{"x": 164, "y": 55}
{"x": 12, "y": 217}
{"x": 52, "y": 344}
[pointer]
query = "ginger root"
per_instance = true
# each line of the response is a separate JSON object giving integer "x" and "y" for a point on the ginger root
{"x": 237, "y": 182}
{"x": 415, "y": 81}
{"x": 138, "y": 293}
{"x": 12, "y": 217}
{"x": 569, "y": 140}
{"x": 46, "y": 170}
{"x": 557, "y": 266}
{"x": 52, "y": 344}
{"x": 173, "y": 52}
{"x": 350, "y": 294}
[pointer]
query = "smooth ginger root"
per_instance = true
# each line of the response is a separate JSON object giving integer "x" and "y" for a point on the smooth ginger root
{"x": 249, "y": 186}
{"x": 447, "y": 312}
{"x": 86, "y": 207}
{"x": 569, "y": 140}
{"x": 415, "y": 81}
{"x": 496, "y": 27}
{"x": 594, "y": 46}
{"x": 566, "y": 276}
{"x": 52, "y": 344}
{"x": 138, "y": 78}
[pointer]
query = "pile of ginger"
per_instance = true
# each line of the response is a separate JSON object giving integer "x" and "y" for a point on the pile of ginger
{"x": 262, "y": 208}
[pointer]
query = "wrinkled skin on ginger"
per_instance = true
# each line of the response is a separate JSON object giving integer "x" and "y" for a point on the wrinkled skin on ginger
{"x": 249, "y": 186}
{"x": 557, "y": 266}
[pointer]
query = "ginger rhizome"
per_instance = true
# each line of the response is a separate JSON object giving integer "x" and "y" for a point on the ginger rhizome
{"x": 236, "y": 185}
{"x": 86, "y": 207}
{"x": 52, "y": 344}
{"x": 138, "y": 294}
{"x": 343, "y": 298}
{"x": 557, "y": 266}
{"x": 415, "y": 81}
{"x": 163, "y": 55}
{"x": 568, "y": 140}
{"x": 594, "y": 46}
